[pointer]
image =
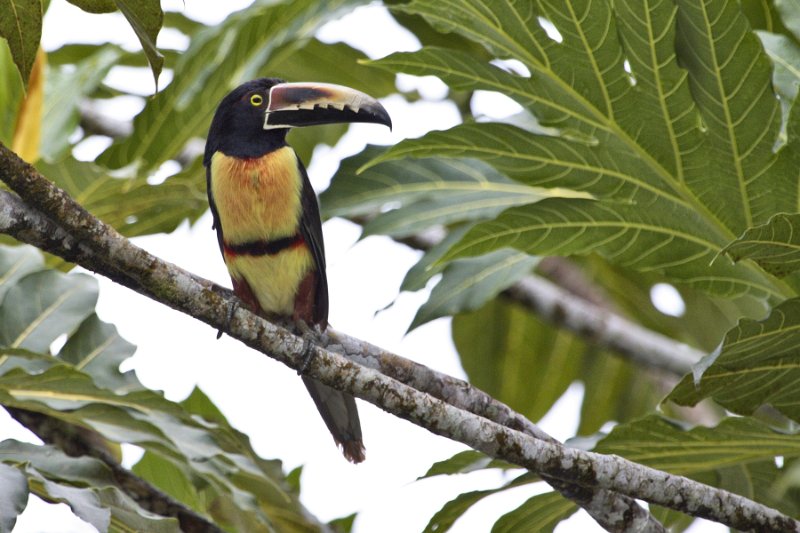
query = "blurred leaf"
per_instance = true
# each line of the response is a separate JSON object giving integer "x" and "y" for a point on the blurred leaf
{"x": 13, "y": 495}
{"x": 44, "y": 305}
{"x": 790, "y": 16}
{"x": 84, "y": 483}
{"x": 468, "y": 284}
{"x": 182, "y": 23}
{"x": 461, "y": 463}
{"x": 763, "y": 15}
{"x": 170, "y": 479}
{"x": 540, "y": 513}
{"x": 132, "y": 205}
{"x": 97, "y": 349}
{"x": 209, "y": 455}
{"x": 218, "y": 59}
{"x": 332, "y": 63}
{"x": 66, "y": 88}
{"x": 772, "y": 245}
{"x": 343, "y": 524}
{"x": 705, "y": 318}
{"x": 28, "y": 129}
{"x": 145, "y": 17}
{"x": 11, "y": 94}
{"x": 500, "y": 342}
{"x": 106, "y": 508}
{"x": 21, "y": 26}
{"x": 756, "y": 365}
{"x": 785, "y": 55}
{"x": 430, "y": 265}
{"x": 95, "y": 6}
{"x": 15, "y": 263}
{"x": 451, "y": 511}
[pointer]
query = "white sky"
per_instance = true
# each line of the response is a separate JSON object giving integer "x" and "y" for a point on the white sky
{"x": 265, "y": 399}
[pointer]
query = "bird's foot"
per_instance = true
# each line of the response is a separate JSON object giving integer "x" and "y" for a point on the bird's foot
{"x": 311, "y": 336}
{"x": 234, "y": 306}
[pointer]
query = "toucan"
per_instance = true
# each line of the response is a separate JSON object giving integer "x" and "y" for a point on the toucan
{"x": 267, "y": 218}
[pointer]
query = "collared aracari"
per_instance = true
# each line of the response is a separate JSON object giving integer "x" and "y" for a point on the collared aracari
{"x": 267, "y": 217}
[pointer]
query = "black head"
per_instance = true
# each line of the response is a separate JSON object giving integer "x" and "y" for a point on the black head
{"x": 237, "y": 128}
{"x": 254, "y": 118}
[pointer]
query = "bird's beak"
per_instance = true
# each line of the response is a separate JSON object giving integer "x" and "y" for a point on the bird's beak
{"x": 309, "y": 104}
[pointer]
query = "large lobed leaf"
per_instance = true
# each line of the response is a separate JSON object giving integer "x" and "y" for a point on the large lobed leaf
{"x": 663, "y": 111}
{"x": 755, "y": 365}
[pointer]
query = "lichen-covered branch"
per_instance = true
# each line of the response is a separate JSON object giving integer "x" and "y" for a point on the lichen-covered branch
{"x": 177, "y": 288}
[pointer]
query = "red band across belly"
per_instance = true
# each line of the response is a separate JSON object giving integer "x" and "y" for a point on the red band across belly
{"x": 257, "y": 248}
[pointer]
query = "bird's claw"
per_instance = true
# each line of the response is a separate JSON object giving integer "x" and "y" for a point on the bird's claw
{"x": 309, "y": 336}
{"x": 231, "y": 311}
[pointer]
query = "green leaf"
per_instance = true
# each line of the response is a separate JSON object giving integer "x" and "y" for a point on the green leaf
{"x": 218, "y": 59}
{"x": 64, "y": 90}
{"x": 215, "y": 457}
{"x": 15, "y": 263}
{"x": 679, "y": 147}
{"x": 451, "y": 511}
{"x": 468, "y": 284}
{"x": 500, "y": 341}
{"x": 756, "y": 365}
{"x": 97, "y": 349}
{"x": 95, "y": 6}
{"x": 772, "y": 245}
{"x": 333, "y": 63}
{"x": 461, "y": 463}
{"x": 21, "y": 26}
{"x": 11, "y": 94}
{"x": 147, "y": 208}
{"x": 624, "y": 234}
{"x": 145, "y": 17}
{"x": 44, "y": 305}
{"x": 540, "y": 513}
{"x": 170, "y": 479}
{"x": 423, "y": 192}
{"x": 13, "y": 496}
{"x": 85, "y": 484}
{"x": 430, "y": 264}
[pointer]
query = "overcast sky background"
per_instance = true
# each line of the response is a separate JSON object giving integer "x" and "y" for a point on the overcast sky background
{"x": 263, "y": 398}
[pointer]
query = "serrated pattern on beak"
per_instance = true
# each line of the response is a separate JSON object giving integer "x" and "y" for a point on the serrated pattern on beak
{"x": 354, "y": 106}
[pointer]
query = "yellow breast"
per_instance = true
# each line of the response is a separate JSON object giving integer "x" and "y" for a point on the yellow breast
{"x": 257, "y": 198}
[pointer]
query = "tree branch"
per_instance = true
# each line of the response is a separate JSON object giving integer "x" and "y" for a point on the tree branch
{"x": 590, "y": 321}
{"x": 175, "y": 287}
{"x": 76, "y": 441}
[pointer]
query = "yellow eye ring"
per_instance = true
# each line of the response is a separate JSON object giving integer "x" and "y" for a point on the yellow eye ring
{"x": 256, "y": 100}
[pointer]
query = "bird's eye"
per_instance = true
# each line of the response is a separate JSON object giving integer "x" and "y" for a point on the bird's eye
{"x": 256, "y": 100}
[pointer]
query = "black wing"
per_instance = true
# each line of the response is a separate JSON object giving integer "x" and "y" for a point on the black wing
{"x": 217, "y": 226}
{"x": 311, "y": 230}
